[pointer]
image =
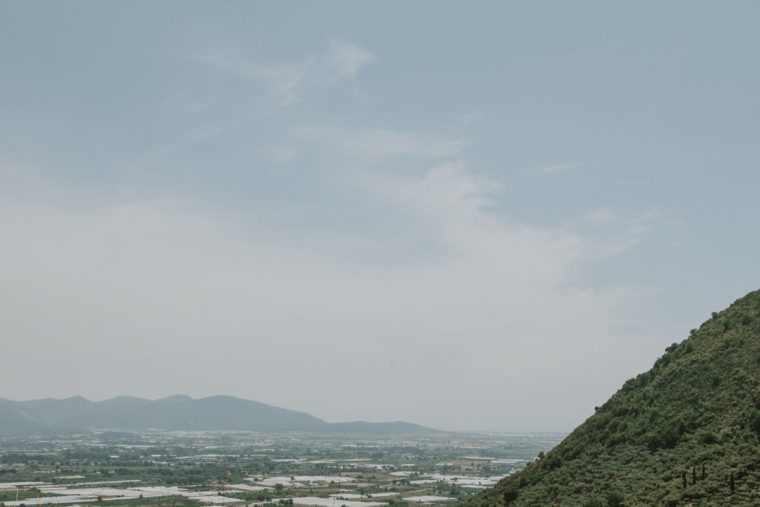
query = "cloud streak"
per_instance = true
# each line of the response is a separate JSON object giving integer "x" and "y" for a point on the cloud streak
{"x": 287, "y": 83}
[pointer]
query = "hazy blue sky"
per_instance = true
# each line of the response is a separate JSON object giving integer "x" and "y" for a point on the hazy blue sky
{"x": 467, "y": 215}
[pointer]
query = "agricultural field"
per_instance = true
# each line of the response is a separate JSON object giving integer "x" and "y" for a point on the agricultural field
{"x": 180, "y": 469}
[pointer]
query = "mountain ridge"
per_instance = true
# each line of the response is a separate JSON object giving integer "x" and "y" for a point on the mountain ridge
{"x": 176, "y": 412}
{"x": 686, "y": 432}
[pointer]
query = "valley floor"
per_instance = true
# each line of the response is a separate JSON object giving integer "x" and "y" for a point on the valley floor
{"x": 180, "y": 469}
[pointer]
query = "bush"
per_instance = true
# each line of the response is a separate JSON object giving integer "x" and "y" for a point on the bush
{"x": 708, "y": 438}
{"x": 614, "y": 499}
{"x": 666, "y": 438}
{"x": 510, "y": 495}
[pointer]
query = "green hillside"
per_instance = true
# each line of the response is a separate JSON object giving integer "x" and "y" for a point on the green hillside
{"x": 685, "y": 432}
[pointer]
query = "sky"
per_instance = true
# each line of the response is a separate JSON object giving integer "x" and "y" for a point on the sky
{"x": 475, "y": 216}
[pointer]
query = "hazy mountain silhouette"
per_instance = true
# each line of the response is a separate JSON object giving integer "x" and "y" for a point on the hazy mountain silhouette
{"x": 176, "y": 412}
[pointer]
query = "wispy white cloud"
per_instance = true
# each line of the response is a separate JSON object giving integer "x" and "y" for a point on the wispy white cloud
{"x": 444, "y": 192}
{"x": 288, "y": 82}
{"x": 599, "y": 217}
{"x": 455, "y": 205}
{"x": 613, "y": 234}
{"x": 470, "y": 118}
{"x": 342, "y": 60}
{"x": 281, "y": 80}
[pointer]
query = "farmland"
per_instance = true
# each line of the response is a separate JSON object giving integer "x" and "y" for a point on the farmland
{"x": 182, "y": 468}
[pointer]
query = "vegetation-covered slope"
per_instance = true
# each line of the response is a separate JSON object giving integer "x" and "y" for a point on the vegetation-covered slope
{"x": 685, "y": 432}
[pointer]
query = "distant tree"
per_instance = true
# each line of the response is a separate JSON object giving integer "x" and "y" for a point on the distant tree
{"x": 731, "y": 483}
{"x": 684, "y": 480}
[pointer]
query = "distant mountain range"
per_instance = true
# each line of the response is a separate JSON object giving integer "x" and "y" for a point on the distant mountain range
{"x": 176, "y": 412}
